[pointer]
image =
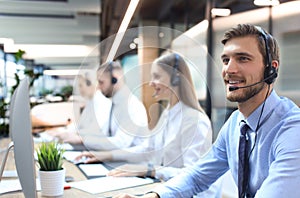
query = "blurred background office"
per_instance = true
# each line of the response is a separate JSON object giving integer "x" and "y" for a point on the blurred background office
{"x": 51, "y": 40}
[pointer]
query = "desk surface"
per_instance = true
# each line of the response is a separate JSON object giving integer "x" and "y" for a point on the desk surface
{"x": 71, "y": 170}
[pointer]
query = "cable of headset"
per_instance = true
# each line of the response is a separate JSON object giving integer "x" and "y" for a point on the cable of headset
{"x": 258, "y": 122}
{"x": 269, "y": 71}
{"x": 255, "y": 138}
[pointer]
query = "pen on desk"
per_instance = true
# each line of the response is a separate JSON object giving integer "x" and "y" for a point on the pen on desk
{"x": 67, "y": 187}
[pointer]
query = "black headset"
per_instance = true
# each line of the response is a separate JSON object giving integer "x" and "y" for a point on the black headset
{"x": 175, "y": 78}
{"x": 270, "y": 72}
{"x": 114, "y": 80}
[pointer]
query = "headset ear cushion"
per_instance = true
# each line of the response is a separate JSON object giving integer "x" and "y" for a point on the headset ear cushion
{"x": 270, "y": 74}
{"x": 114, "y": 80}
{"x": 175, "y": 80}
{"x": 88, "y": 83}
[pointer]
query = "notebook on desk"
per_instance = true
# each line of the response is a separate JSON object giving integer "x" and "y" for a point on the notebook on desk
{"x": 13, "y": 185}
{"x": 96, "y": 170}
{"x": 89, "y": 170}
{"x": 92, "y": 171}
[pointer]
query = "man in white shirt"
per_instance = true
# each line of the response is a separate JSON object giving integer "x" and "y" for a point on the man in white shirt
{"x": 94, "y": 116}
{"x": 128, "y": 122}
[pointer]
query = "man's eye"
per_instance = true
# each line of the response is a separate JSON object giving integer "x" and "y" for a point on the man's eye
{"x": 243, "y": 58}
{"x": 225, "y": 61}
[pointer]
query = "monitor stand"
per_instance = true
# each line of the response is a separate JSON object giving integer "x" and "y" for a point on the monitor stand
{"x": 10, "y": 146}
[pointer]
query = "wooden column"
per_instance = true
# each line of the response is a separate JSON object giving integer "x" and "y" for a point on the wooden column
{"x": 147, "y": 52}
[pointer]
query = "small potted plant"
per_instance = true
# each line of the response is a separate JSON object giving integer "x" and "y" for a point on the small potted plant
{"x": 51, "y": 172}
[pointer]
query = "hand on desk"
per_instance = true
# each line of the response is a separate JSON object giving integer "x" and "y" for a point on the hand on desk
{"x": 95, "y": 156}
{"x": 129, "y": 170}
{"x": 67, "y": 137}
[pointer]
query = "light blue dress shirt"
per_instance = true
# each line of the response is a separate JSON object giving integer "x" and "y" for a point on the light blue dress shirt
{"x": 274, "y": 161}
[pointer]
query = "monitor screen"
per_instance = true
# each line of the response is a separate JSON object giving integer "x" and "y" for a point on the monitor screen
{"x": 20, "y": 130}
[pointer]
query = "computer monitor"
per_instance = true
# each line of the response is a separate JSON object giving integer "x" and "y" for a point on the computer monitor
{"x": 20, "y": 131}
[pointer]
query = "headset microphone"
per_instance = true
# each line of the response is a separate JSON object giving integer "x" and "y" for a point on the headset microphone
{"x": 236, "y": 88}
{"x": 233, "y": 88}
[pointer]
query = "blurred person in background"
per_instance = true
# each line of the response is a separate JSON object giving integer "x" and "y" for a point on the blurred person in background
{"x": 95, "y": 113}
{"x": 182, "y": 135}
{"x": 127, "y": 123}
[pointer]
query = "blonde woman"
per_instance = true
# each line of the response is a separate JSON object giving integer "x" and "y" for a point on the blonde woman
{"x": 182, "y": 135}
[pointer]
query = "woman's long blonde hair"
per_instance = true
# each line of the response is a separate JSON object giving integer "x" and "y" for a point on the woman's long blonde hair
{"x": 186, "y": 89}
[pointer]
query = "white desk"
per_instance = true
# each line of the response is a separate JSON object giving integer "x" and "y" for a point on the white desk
{"x": 71, "y": 170}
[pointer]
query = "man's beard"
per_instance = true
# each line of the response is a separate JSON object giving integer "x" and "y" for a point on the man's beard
{"x": 247, "y": 94}
{"x": 109, "y": 92}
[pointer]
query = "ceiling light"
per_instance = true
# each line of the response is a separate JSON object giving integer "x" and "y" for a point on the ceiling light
{"x": 161, "y": 35}
{"x": 132, "y": 45}
{"x": 266, "y": 2}
{"x": 8, "y": 44}
{"x": 62, "y": 72}
{"x": 197, "y": 29}
{"x": 39, "y": 51}
{"x": 136, "y": 40}
{"x": 119, "y": 36}
{"x": 220, "y": 12}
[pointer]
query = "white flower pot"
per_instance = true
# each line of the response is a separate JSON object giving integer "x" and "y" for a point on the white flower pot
{"x": 52, "y": 182}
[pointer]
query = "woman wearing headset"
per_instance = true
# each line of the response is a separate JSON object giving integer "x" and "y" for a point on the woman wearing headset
{"x": 182, "y": 135}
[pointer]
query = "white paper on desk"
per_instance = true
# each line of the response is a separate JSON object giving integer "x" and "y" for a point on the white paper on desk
{"x": 67, "y": 146}
{"x": 10, "y": 173}
{"x": 7, "y": 186}
{"x": 105, "y": 184}
{"x": 93, "y": 169}
{"x": 71, "y": 155}
{"x": 14, "y": 185}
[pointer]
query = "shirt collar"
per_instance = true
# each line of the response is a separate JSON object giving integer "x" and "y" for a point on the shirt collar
{"x": 172, "y": 112}
{"x": 270, "y": 104}
{"x": 121, "y": 95}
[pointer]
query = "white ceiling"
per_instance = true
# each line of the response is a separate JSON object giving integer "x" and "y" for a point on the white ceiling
{"x": 69, "y": 29}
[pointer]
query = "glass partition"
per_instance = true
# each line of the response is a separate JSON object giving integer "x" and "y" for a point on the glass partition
{"x": 285, "y": 27}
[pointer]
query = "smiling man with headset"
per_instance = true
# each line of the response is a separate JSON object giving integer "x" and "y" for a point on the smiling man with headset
{"x": 259, "y": 143}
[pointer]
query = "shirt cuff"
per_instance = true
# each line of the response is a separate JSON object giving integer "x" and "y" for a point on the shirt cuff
{"x": 162, "y": 191}
{"x": 149, "y": 170}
